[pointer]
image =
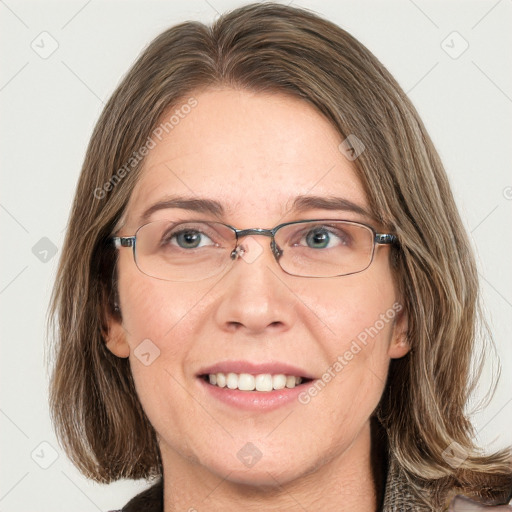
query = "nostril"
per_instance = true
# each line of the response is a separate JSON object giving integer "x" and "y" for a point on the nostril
{"x": 235, "y": 325}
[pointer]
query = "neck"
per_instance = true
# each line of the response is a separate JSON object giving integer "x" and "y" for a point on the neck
{"x": 344, "y": 483}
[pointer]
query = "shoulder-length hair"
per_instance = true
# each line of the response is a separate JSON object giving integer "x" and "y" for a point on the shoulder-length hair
{"x": 275, "y": 48}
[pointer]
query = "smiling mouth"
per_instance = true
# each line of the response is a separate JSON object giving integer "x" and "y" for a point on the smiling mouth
{"x": 264, "y": 382}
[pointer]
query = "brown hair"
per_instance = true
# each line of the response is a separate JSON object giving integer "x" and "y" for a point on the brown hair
{"x": 274, "y": 48}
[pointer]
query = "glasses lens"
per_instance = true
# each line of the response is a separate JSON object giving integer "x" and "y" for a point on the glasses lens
{"x": 183, "y": 251}
{"x": 325, "y": 248}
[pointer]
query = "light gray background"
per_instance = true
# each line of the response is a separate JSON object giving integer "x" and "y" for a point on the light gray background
{"x": 50, "y": 105}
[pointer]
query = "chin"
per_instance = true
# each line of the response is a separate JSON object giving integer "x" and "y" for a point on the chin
{"x": 263, "y": 479}
{"x": 265, "y": 473}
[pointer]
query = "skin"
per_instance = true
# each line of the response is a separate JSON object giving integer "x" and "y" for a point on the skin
{"x": 254, "y": 153}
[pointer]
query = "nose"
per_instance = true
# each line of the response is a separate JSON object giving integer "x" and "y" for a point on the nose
{"x": 255, "y": 298}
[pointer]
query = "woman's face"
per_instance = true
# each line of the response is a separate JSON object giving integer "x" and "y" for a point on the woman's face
{"x": 255, "y": 154}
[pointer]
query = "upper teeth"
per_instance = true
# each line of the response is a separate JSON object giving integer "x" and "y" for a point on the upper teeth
{"x": 248, "y": 382}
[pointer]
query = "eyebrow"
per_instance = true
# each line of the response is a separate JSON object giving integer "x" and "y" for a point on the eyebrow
{"x": 185, "y": 203}
{"x": 300, "y": 203}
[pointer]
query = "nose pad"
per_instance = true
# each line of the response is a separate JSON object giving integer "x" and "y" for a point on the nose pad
{"x": 275, "y": 249}
{"x": 235, "y": 252}
{"x": 249, "y": 250}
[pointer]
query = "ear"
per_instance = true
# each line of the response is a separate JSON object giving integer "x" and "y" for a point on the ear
{"x": 114, "y": 335}
{"x": 399, "y": 345}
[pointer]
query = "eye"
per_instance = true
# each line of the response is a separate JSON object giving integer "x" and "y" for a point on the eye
{"x": 324, "y": 237}
{"x": 188, "y": 239}
{"x": 318, "y": 239}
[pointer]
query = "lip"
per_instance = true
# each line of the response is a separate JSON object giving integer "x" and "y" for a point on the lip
{"x": 260, "y": 401}
{"x": 254, "y": 400}
{"x": 272, "y": 367}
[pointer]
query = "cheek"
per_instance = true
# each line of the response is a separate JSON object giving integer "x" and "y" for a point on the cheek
{"x": 160, "y": 321}
{"x": 361, "y": 307}
{"x": 359, "y": 314}
{"x": 155, "y": 309}
{"x": 354, "y": 379}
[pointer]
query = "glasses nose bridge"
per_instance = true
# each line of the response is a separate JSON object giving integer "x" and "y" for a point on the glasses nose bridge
{"x": 241, "y": 233}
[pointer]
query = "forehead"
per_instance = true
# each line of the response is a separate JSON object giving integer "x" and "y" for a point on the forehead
{"x": 252, "y": 152}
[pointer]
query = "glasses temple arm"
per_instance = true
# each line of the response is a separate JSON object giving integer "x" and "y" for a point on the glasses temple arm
{"x": 385, "y": 238}
{"x": 123, "y": 241}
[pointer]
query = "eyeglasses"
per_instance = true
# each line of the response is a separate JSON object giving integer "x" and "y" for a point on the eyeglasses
{"x": 196, "y": 250}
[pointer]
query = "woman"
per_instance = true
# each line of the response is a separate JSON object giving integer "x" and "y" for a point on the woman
{"x": 266, "y": 298}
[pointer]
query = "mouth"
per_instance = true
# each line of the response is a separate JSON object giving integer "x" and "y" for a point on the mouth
{"x": 262, "y": 382}
{"x": 253, "y": 386}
